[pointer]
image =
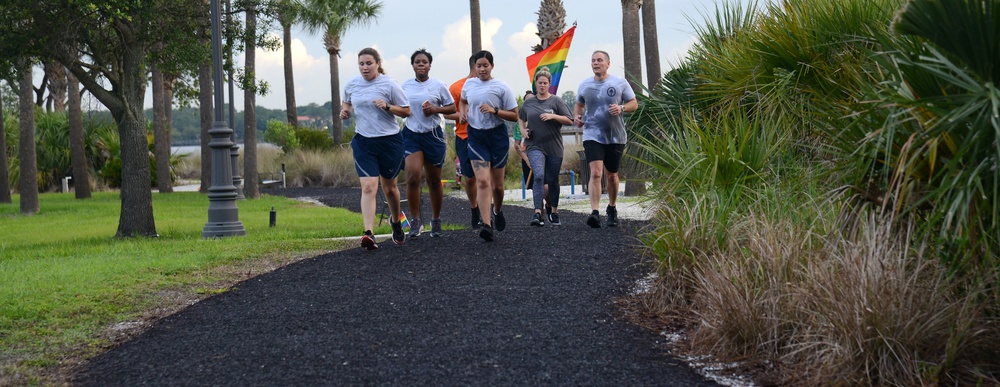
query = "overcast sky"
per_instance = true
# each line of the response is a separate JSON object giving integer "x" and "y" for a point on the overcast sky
{"x": 443, "y": 28}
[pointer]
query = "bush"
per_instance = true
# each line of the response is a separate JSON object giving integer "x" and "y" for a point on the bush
{"x": 314, "y": 139}
{"x": 282, "y": 134}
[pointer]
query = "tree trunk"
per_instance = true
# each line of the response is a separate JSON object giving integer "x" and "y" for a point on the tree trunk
{"x": 290, "y": 109}
{"x": 4, "y": 176}
{"x": 633, "y": 73}
{"x": 77, "y": 144}
{"x": 251, "y": 188}
{"x": 338, "y": 125}
{"x": 168, "y": 105}
{"x": 205, "y": 109}
{"x": 161, "y": 146}
{"x": 477, "y": 35}
{"x": 651, "y": 43}
{"x": 57, "y": 85}
{"x": 136, "y": 217}
{"x": 28, "y": 182}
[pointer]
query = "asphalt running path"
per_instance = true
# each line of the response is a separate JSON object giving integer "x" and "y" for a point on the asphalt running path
{"x": 535, "y": 307}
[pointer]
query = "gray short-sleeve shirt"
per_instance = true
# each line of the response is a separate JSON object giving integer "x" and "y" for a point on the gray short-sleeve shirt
{"x": 431, "y": 90}
{"x": 371, "y": 120}
{"x": 493, "y": 92}
{"x": 545, "y": 135}
{"x": 598, "y": 96}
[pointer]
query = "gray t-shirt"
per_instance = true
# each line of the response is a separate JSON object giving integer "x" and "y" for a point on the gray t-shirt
{"x": 431, "y": 90}
{"x": 598, "y": 96}
{"x": 371, "y": 120}
{"x": 545, "y": 135}
{"x": 493, "y": 92}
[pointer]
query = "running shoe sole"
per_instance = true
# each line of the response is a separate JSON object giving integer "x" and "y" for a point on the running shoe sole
{"x": 368, "y": 243}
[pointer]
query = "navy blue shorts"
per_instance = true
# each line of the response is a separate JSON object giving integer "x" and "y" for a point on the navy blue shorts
{"x": 431, "y": 143}
{"x": 462, "y": 150}
{"x": 490, "y": 145}
{"x": 611, "y": 154}
{"x": 378, "y": 156}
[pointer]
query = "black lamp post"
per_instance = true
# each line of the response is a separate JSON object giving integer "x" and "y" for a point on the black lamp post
{"x": 223, "y": 216}
{"x": 237, "y": 179}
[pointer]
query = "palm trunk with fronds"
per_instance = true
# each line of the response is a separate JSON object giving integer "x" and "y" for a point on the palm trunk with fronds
{"x": 250, "y": 185}
{"x": 77, "y": 143}
{"x": 28, "y": 178}
{"x": 551, "y": 23}
{"x": 332, "y": 43}
{"x": 4, "y": 177}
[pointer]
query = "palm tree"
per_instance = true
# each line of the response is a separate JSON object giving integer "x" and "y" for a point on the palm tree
{"x": 77, "y": 145}
{"x": 335, "y": 17}
{"x": 250, "y": 188}
{"x": 57, "y": 86}
{"x": 161, "y": 148}
{"x": 551, "y": 23}
{"x": 28, "y": 181}
{"x": 651, "y": 43}
{"x": 287, "y": 12}
{"x": 633, "y": 72}
{"x": 477, "y": 34}
{"x": 4, "y": 177}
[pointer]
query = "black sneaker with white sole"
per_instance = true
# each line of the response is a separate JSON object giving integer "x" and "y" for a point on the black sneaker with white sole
{"x": 398, "y": 237}
{"x": 554, "y": 219}
{"x": 415, "y": 228}
{"x": 536, "y": 220}
{"x": 436, "y": 228}
{"x": 477, "y": 220}
{"x": 368, "y": 241}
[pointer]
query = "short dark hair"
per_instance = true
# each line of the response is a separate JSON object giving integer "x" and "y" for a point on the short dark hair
{"x": 472, "y": 61}
{"x": 413, "y": 58}
{"x": 483, "y": 54}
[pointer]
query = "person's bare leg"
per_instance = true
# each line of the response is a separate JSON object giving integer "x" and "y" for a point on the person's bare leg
{"x": 414, "y": 168}
{"x": 369, "y": 188}
{"x": 497, "y": 175}
{"x": 613, "y": 182}
{"x": 434, "y": 188}
{"x": 391, "y": 192}
{"x": 594, "y": 186}
{"x": 483, "y": 190}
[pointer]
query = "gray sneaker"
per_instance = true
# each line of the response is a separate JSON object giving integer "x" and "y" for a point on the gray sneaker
{"x": 436, "y": 228}
{"x": 415, "y": 228}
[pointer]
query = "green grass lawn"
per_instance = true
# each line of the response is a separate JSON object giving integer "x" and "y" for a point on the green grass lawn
{"x": 64, "y": 278}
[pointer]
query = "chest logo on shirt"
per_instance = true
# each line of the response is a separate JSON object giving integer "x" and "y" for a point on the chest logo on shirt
{"x": 612, "y": 92}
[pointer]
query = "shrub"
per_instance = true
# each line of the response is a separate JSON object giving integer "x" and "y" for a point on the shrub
{"x": 282, "y": 134}
{"x": 314, "y": 139}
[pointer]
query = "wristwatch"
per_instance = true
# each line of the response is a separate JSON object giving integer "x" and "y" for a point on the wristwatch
{"x": 496, "y": 111}
{"x": 386, "y": 107}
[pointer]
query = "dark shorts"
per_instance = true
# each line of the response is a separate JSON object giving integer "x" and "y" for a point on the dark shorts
{"x": 611, "y": 154}
{"x": 378, "y": 156}
{"x": 431, "y": 143}
{"x": 462, "y": 150}
{"x": 490, "y": 145}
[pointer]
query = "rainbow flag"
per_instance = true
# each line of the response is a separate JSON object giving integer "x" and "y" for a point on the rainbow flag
{"x": 402, "y": 219}
{"x": 553, "y": 57}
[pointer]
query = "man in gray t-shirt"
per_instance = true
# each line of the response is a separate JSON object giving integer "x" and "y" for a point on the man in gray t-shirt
{"x": 600, "y": 103}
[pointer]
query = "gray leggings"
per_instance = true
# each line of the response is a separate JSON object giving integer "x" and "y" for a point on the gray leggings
{"x": 544, "y": 170}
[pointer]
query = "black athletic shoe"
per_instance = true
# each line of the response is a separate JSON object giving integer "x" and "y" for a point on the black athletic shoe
{"x": 436, "y": 228}
{"x": 594, "y": 220}
{"x": 477, "y": 220}
{"x": 554, "y": 219}
{"x": 499, "y": 221}
{"x": 368, "y": 241}
{"x": 536, "y": 220}
{"x": 612, "y": 216}
{"x": 486, "y": 232}
{"x": 397, "y": 233}
{"x": 415, "y": 228}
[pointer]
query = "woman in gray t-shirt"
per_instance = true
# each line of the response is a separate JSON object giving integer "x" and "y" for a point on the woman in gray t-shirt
{"x": 542, "y": 118}
{"x": 376, "y": 100}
